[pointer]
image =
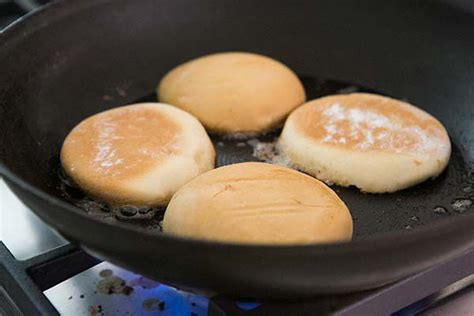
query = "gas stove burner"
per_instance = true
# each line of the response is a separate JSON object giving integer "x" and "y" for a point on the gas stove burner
{"x": 110, "y": 290}
{"x": 105, "y": 289}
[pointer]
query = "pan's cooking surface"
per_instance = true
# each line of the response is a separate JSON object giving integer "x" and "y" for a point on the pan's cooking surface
{"x": 450, "y": 194}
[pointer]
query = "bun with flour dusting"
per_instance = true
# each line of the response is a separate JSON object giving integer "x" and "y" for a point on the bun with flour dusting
{"x": 258, "y": 203}
{"x": 138, "y": 154}
{"x": 376, "y": 143}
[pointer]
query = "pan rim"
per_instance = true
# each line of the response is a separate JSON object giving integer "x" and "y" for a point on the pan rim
{"x": 377, "y": 241}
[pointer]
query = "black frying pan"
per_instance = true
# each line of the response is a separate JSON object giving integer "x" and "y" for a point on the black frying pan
{"x": 76, "y": 58}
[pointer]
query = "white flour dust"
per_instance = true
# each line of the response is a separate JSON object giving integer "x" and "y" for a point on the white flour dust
{"x": 366, "y": 127}
{"x": 106, "y": 155}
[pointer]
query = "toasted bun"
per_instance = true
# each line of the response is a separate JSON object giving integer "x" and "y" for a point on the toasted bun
{"x": 258, "y": 203}
{"x": 233, "y": 92}
{"x": 376, "y": 143}
{"x": 138, "y": 154}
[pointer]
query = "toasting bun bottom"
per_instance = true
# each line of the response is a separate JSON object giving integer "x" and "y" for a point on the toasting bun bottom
{"x": 376, "y": 143}
{"x": 258, "y": 203}
{"x": 138, "y": 154}
{"x": 233, "y": 92}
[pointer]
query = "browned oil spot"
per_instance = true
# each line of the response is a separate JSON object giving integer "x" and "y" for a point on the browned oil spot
{"x": 95, "y": 310}
{"x": 113, "y": 285}
{"x": 106, "y": 273}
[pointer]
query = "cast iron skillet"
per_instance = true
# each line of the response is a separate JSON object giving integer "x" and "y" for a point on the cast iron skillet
{"x": 76, "y": 58}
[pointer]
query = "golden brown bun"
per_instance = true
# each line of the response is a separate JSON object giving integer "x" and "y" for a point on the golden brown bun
{"x": 376, "y": 143}
{"x": 258, "y": 203}
{"x": 233, "y": 92}
{"x": 138, "y": 154}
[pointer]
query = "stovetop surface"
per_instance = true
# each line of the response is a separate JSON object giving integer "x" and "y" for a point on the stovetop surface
{"x": 105, "y": 289}
{"x": 35, "y": 237}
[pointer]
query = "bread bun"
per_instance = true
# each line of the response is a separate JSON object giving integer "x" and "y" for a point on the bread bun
{"x": 233, "y": 92}
{"x": 376, "y": 143}
{"x": 138, "y": 154}
{"x": 258, "y": 203}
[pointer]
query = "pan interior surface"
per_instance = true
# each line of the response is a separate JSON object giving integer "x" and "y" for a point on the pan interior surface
{"x": 447, "y": 195}
{"x": 74, "y": 76}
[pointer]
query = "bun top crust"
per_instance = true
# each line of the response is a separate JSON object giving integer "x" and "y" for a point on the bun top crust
{"x": 233, "y": 92}
{"x": 121, "y": 143}
{"x": 369, "y": 122}
{"x": 258, "y": 203}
